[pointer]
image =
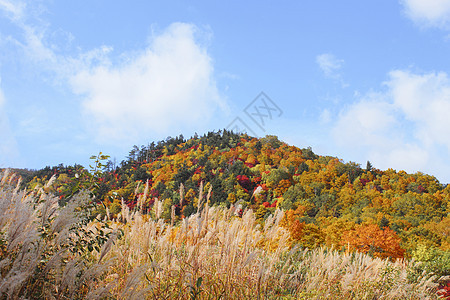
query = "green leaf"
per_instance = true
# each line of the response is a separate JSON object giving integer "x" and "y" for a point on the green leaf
{"x": 199, "y": 282}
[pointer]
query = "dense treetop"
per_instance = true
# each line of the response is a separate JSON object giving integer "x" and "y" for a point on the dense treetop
{"x": 327, "y": 201}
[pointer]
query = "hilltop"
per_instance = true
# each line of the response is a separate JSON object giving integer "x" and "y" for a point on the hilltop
{"x": 328, "y": 202}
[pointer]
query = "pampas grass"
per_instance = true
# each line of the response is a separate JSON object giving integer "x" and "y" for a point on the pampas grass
{"x": 235, "y": 257}
{"x": 212, "y": 254}
{"x": 40, "y": 239}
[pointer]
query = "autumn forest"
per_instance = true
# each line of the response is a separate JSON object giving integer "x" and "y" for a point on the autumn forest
{"x": 326, "y": 203}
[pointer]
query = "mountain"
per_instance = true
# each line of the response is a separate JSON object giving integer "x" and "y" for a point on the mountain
{"x": 327, "y": 201}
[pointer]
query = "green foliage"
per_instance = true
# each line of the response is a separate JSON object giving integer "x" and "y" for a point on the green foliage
{"x": 86, "y": 180}
{"x": 369, "y": 166}
{"x": 271, "y": 141}
{"x": 433, "y": 260}
{"x": 196, "y": 289}
{"x": 275, "y": 176}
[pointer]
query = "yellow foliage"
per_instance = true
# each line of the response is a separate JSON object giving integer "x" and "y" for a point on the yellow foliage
{"x": 232, "y": 198}
{"x": 333, "y": 228}
{"x": 312, "y": 236}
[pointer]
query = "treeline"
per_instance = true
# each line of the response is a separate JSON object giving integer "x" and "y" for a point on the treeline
{"x": 327, "y": 201}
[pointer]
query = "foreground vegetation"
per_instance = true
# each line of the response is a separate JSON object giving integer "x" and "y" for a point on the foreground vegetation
{"x": 68, "y": 252}
{"x": 328, "y": 202}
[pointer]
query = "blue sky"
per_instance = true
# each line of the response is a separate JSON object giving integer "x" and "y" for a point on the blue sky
{"x": 360, "y": 80}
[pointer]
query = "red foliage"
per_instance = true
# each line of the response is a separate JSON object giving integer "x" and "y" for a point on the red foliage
{"x": 267, "y": 204}
{"x": 421, "y": 189}
{"x": 198, "y": 170}
{"x": 153, "y": 193}
{"x": 444, "y": 291}
{"x": 256, "y": 179}
{"x": 364, "y": 181}
{"x": 131, "y": 204}
{"x": 242, "y": 179}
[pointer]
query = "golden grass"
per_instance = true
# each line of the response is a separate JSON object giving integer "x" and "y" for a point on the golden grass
{"x": 210, "y": 255}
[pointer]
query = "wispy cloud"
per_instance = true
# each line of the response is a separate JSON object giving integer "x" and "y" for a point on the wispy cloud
{"x": 13, "y": 9}
{"x": 329, "y": 64}
{"x": 331, "y": 67}
{"x": 428, "y": 13}
{"x": 35, "y": 45}
{"x": 406, "y": 126}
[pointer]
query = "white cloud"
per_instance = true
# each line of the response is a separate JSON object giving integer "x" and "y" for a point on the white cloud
{"x": 424, "y": 100}
{"x": 430, "y": 13}
{"x": 329, "y": 64}
{"x": 368, "y": 122}
{"x": 404, "y": 127}
{"x": 170, "y": 85}
{"x": 409, "y": 157}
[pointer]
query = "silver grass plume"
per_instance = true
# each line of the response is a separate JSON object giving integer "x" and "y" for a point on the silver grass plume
{"x": 181, "y": 195}
{"x": 200, "y": 197}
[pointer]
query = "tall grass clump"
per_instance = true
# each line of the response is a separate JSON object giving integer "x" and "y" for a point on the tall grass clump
{"x": 214, "y": 254}
{"x": 53, "y": 252}
{"x": 47, "y": 251}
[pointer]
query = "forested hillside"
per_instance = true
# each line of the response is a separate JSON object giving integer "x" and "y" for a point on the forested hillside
{"x": 328, "y": 202}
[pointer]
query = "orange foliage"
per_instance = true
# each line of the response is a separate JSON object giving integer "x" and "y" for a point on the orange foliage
{"x": 290, "y": 222}
{"x": 382, "y": 243}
